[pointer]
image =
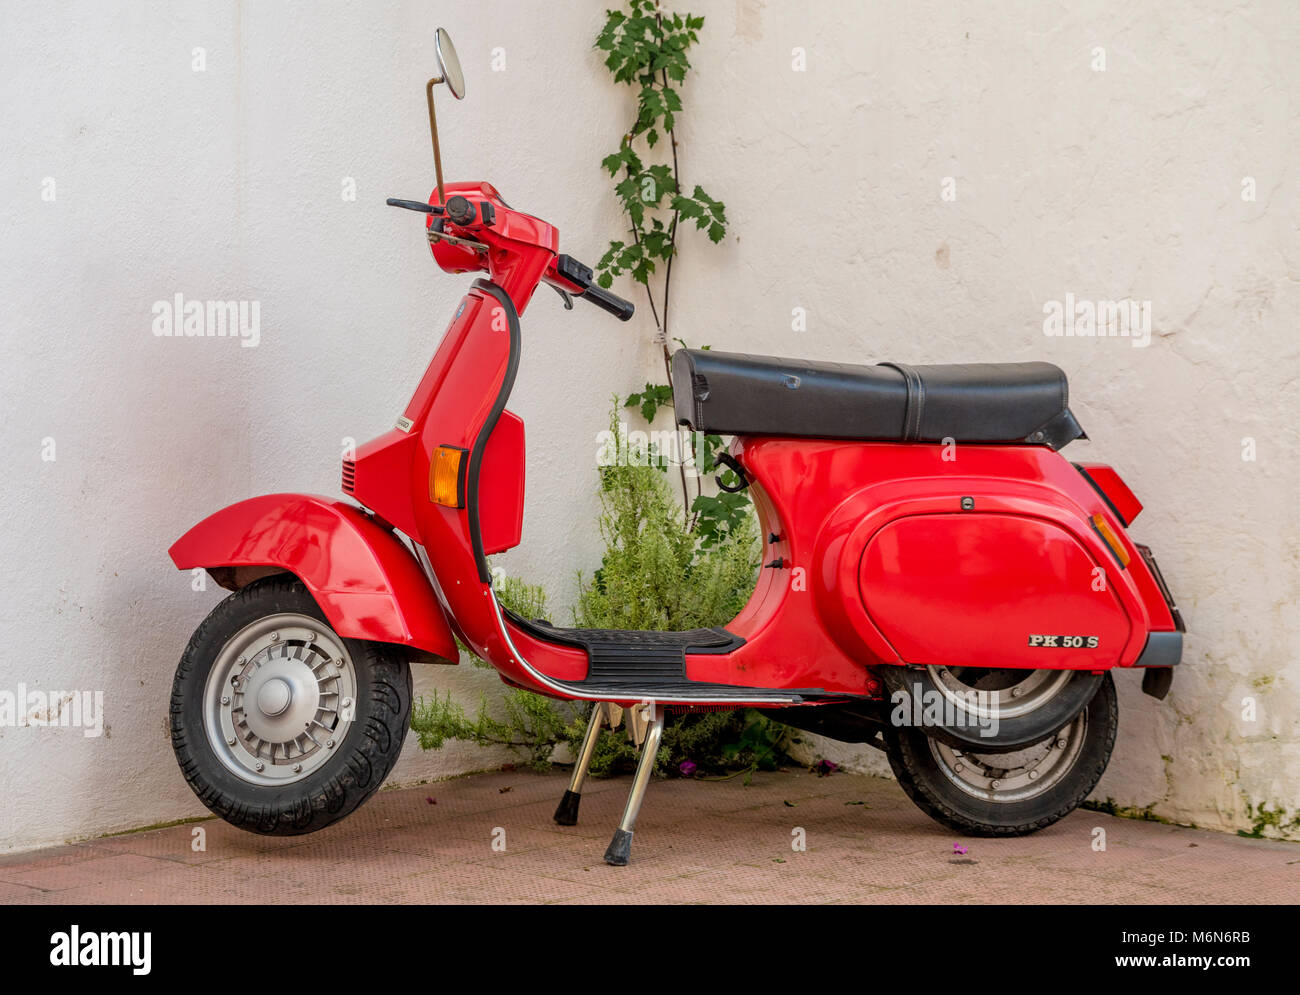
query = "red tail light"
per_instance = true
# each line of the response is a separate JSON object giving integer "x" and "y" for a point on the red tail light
{"x": 1115, "y": 492}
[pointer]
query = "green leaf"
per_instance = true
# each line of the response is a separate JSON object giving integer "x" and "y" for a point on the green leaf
{"x": 662, "y": 175}
{"x": 686, "y": 207}
{"x": 650, "y": 400}
{"x": 642, "y": 270}
{"x": 627, "y": 189}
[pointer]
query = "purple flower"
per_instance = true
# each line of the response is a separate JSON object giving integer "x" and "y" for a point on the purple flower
{"x": 958, "y": 848}
{"x": 687, "y": 768}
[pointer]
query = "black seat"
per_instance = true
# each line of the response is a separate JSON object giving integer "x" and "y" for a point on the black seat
{"x": 734, "y": 394}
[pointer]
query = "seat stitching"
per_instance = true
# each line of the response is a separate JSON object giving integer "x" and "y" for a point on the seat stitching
{"x": 920, "y": 404}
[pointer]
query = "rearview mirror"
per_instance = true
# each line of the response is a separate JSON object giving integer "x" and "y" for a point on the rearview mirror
{"x": 449, "y": 64}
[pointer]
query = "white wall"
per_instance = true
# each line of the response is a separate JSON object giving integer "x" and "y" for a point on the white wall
{"x": 227, "y": 183}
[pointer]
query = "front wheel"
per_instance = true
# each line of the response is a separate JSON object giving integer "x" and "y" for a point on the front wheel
{"x": 1010, "y": 793}
{"x": 281, "y": 726}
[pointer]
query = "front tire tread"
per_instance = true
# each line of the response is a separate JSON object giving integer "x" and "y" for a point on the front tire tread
{"x": 374, "y": 744}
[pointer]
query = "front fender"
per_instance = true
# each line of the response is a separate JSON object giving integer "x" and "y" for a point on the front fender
{"x": 363, "y": 577}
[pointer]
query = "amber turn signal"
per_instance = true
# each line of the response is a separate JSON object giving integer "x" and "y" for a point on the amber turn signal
{"x": 1106, "y": 532}
{"x": 447, "y": 476}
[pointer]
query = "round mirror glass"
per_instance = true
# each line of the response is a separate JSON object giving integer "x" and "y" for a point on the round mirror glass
{"x": 450, "y": 65}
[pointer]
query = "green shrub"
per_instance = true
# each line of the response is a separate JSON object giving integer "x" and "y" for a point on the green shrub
{"x": 654, "y": 575}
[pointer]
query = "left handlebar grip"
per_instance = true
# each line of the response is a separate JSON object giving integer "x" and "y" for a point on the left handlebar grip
{"x": 415, "y": 205}
{"x": 603, "y": 299}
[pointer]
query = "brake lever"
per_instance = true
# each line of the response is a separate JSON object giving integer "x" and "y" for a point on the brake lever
{"x": 415, "y": 205}
{"x": 564, "y": 296}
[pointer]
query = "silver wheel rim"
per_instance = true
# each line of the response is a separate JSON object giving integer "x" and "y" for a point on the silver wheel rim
{"x": 279, "y": 699}
{"x": 1016, "y": 776}
{"x": 999, "y": 694}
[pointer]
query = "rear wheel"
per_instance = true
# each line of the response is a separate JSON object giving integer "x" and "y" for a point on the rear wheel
{"x": 1007, "y": 793}
{"x": 280, "y": 725}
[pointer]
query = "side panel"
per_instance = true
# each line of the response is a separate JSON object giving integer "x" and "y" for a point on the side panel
{"x": 823, "y": 501}
{"x": 365, "y": 580}
{"x": 501, "y": 486}
{"x": 984, "y": 590}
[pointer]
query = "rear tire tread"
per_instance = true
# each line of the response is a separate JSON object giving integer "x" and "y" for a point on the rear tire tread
{"x": 903, "y": 760}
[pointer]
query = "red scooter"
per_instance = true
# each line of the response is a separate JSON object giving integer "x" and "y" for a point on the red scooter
{"x": 938, "y": 580}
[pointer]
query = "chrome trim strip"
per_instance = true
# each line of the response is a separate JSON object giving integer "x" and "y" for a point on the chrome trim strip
{"x": 572, "y": 691}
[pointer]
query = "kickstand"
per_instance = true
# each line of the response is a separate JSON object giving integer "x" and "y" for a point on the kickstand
{"x": 566, "y": 814}
{"x": 620, "y": 847}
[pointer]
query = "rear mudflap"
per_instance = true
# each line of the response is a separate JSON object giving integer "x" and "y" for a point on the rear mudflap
{"x": 1164, "y": 650}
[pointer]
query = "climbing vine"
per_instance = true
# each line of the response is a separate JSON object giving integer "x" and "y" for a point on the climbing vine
{"x": 646, "y": 47}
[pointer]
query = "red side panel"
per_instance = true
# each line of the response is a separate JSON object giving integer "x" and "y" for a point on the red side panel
{"x": 501, "y": 486}
{"x": 990, "y": 590}
{"x": 365, "y": 580}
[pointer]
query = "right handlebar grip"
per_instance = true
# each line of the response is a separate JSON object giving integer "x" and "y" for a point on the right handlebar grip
{"x": 603, "y": 299}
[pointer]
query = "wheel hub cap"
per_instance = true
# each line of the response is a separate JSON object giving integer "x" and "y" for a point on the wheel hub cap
{"x": 283, "y": 693}
{"x": 274, "y": 703}
{"x": 274, "y": 697}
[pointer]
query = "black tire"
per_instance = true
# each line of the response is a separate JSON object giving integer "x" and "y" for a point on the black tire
{"x": 1013, "y": 732}
{"x": 349, "y": 776}
{"x": 930, "y": 786}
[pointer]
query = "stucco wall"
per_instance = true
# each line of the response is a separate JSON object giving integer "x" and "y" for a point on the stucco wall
{"x": 1108, "y": 184}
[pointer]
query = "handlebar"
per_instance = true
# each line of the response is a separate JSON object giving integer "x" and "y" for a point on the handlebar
{"x": 580, "y": 275}
{"x": 603, "y": 299}
{"x": 565, "y": 273}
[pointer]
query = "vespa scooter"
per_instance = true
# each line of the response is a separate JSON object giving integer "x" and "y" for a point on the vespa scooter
{"x": 938, "y": 580}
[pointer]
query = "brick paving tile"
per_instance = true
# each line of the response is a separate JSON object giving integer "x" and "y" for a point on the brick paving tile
{"x": 696, "y": 842}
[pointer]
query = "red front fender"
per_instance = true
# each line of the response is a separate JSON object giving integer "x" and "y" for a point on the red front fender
{"x": 365, "y": 580}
